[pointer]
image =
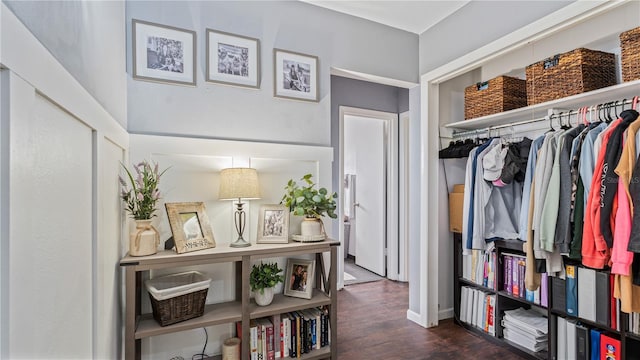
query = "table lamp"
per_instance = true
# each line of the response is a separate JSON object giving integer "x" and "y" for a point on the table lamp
{"x": 239, "y": 183}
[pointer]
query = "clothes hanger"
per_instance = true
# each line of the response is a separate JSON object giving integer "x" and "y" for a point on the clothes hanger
{"x": 551, "y": 129}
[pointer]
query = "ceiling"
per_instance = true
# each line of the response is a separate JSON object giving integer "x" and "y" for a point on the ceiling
{"x": 412, "y": 16}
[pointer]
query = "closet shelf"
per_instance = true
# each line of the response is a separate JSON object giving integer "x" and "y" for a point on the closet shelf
{"x": 611, "y": 93}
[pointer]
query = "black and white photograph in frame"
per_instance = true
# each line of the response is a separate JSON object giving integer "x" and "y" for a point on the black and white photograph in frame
{"x": 273, "y": 224}
{"x": 163, "y": 53}
{"x": 295, "y": 75}
{"x": 233, "y": 59}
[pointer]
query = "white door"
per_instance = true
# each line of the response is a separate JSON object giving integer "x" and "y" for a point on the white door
{"x": 365, "y": 155}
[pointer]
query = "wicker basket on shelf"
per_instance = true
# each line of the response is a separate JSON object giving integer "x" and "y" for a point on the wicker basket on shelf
{"x": 496, "y": 95}
{"x": 630, "y": 54}
{"x": 571, "y": 73}
{"x": 178, "y": 297}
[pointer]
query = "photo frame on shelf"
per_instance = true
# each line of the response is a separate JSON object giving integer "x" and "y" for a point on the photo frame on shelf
{"x": 163, "y": 53}
{"x": 299, "y": 277}
{"x": 232, "y": 59}
{"x": 273, "y": 224}
{"x": 295, "y": 75}
{"x": 190, "y": 226}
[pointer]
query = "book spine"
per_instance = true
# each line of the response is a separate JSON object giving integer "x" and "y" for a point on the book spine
{"x": 491, "y": 311}
{"x": 271, "y": 352}
{"x": 253, "y": 341}
{"x": 521, "y": 271}
{"x": 544, "y": 290}
{"x": 572, "y": 290}
{"x": 515, "y": 285}
{"x": 485, "y": 266}
{"x": 508, "y": 274}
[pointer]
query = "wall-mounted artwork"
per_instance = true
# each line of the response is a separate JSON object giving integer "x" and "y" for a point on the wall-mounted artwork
{"x": 163, "y": 53}
{"x": 233, "y": 59}
{"x": 295, "y": 75}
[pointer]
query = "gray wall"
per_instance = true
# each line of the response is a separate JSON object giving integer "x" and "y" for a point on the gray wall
{"x": 364, "y": 95}
{"x": 87, "y": 38}
{"x": 477, "y": 24}
{"x": 218, "y": 111}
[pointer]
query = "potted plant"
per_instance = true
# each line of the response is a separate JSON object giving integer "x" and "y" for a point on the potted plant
{"x": 140, "y": 200}
{"x": 263, "y": 279}
{"x": 310, "y": 202}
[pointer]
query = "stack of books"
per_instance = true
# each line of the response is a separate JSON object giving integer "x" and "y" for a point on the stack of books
{"x": 478, "y": 308}
{"x": 526, "y": 328}
{"x": 480, "y": 268}
{"x": 514, "y": 268}
{"x": 576, "y": 340}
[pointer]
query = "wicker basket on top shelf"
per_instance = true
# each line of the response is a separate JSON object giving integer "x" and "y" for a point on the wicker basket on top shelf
{"x": 571, "y": 73}
{"x": 496, "y": 95}
{"x": 630, "y": 54}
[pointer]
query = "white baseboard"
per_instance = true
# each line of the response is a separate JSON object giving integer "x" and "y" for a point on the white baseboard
{"x": 445, "y": 314}
{"x": 415, "y": 317}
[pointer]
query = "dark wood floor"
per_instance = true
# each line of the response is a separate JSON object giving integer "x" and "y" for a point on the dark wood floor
{"x": 372, "y": 324}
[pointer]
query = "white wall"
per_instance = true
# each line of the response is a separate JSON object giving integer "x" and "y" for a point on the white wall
{"x": 477, "y": 24}
{"x": 217, "y": 111}
{"x": 60, "y": 213}
{"x": 87, "y": 38}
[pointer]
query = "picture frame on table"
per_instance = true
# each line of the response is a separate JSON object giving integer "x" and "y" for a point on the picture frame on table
{"x": 295, "y": 75}
{"x": 232, "y": 59}
{"x": 273, "y": 224}
{"x": 299, "y": 278}
{"x": 190, "y": 226}
{"x": 163, "y": 53}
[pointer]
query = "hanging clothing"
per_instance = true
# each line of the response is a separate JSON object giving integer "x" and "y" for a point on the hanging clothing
{"x": 532, "y": 159}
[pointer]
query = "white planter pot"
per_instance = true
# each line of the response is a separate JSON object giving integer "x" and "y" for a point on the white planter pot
{"x": 265, "y": 297}
{"x": 144, "y": 239}
{"x": 310, "y": 227}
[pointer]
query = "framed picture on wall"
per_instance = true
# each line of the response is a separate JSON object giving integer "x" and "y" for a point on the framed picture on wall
{"x": 295, "y": 75}
{"x": 299, "y": 276}
{"x": 233, "y": 59}
{"x": 273, "y": 224}
{"x": 163, "y": 53}
{"x": 190, "y": 226}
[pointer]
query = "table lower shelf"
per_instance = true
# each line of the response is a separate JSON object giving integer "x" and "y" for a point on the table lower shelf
{"x": 282, "y": 304}
{"x": 214, "y": 314}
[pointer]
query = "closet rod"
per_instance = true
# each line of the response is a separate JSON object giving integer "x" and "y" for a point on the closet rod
{"x": 559, "y": 115}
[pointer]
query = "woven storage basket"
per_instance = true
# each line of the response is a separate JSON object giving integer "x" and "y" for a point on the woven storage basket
{"x": 178, "y": 297}
{"x": 571, "y": 73}
{"x": 496, "y": 95}
{"x": 630, "y": 54}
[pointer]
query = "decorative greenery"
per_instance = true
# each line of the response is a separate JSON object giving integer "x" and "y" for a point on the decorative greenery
{"x": 141, "y": 198}
{"x": 265, "y": 276}
{"x": 309, "y": 201}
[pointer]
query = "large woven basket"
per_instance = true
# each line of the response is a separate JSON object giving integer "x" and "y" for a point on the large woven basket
{"x": 496, "y": 95}
{"x": 178, "y": 297}
{"x": 630, "y": 54}
{"x": 571, "y": 73}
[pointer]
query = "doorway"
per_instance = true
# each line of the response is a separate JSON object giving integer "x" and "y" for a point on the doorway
{"x": 370, "y": 191}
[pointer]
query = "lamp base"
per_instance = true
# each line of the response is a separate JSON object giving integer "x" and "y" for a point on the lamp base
{"x": 240, "y": 242}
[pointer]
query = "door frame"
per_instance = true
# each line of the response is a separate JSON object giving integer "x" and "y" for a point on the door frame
{"x": 392, "y": 210}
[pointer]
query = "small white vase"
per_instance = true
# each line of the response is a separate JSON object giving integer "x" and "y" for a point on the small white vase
{"x": 310, "y": 227}
{"x": 144, "y": 239}
{"x": 265, "y": 297}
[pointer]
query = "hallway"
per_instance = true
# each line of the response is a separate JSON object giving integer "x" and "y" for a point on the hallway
{"x": 373, "y": 324}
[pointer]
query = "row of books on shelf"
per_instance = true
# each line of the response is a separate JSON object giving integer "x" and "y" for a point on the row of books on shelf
{"x": 587, "y": 294}
{"x": 577, "y": 341}
{"x": 480, "y": 268}
{"x": 478, "y": 308}
{"x": 291, "y": 334}
{"x": 514, "y": 269}
{"x": 527, "y": 328}
{"x": 634, "y": 323}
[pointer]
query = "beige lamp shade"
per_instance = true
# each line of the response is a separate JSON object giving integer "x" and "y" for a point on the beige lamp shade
{"x": 239, "y": 183}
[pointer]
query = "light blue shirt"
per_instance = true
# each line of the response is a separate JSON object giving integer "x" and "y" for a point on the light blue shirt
{"x": 588, "y": 159}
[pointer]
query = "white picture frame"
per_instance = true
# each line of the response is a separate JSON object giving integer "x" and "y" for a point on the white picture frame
{"x": 164, "y": 54}
{"x": 299, "y": 278}
{"x": 273, "y": 224}
{"x": 232, "y": 59}
{"x": 295, "y": 75}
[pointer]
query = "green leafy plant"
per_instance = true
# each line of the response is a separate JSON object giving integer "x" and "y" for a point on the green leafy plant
{"x": 308, "y": 201}
{"x": 143, "y": 194}
{"x": 265, "y": 276}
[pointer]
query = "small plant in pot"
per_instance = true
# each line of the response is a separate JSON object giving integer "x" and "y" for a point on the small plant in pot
{"x": 263, "y": 279}
{"x": 310, "y": 202}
